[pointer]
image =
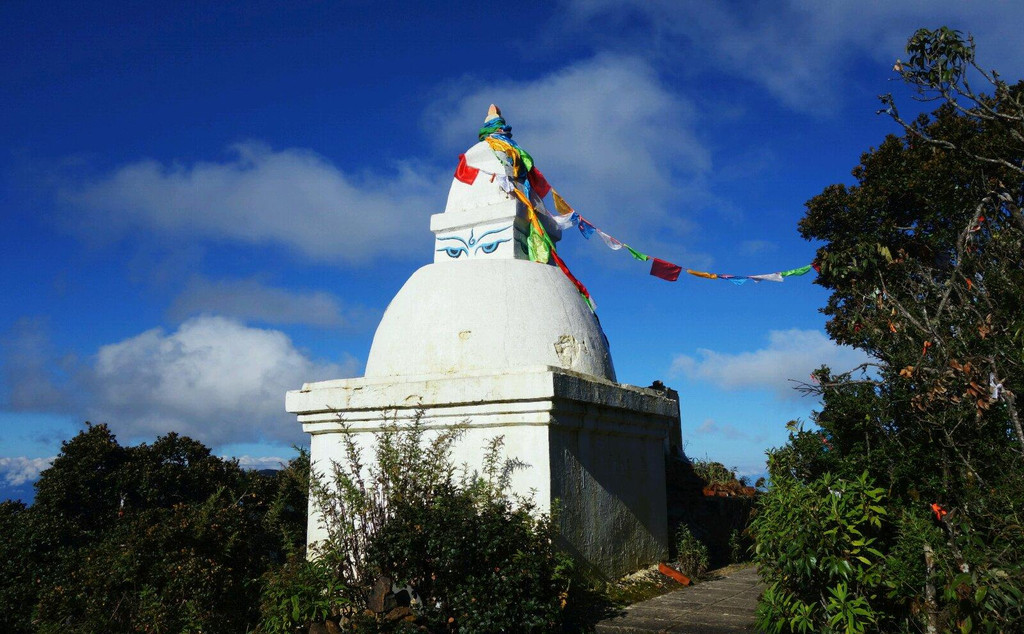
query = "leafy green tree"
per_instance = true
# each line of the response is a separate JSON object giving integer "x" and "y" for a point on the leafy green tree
{"x": 161, "y": 537}
{"x": 924, "y": 258}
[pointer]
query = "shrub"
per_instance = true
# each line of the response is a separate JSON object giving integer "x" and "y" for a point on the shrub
{"x": 477, "y": 557}
{"x": 692, "y": 553}
{"x": 816, "y": 549}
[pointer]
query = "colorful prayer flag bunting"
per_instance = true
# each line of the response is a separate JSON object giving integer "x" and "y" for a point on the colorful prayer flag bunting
{"x": 527, "y": 180}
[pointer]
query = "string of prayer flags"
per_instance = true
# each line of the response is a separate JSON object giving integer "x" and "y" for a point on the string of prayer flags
{"x": 498, "y": 135}
{"x": 529, "y": 185}
{"x": 665, "y": 270}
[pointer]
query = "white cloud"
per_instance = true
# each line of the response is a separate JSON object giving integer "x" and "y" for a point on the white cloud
{"x": 790, "y": 354}
{"x": 261, "y": 462}
{"x": 250, "y": 299}
{"x": 798, "y": 49}
{"x": 213, "y": 379}
{"x": 616, "y": 141}
{"x": 753, "y": 247}
{"x": 710, "y": 427}
{"x": 19, "y": 470}
{"x": 290, "y": 197}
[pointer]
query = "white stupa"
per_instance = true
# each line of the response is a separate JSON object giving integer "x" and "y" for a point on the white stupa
{"x": 485, "y": 336}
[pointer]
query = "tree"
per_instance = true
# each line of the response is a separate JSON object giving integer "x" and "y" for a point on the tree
{"x": 155, "y": 537}
{"x": 924, "y": 257}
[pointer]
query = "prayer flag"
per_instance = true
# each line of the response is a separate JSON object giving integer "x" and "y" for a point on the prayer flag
{"x": 575, "y": 282}
{"x": 464, "y": 172}
{"x": 800, "y": 271}
{"x": 538, "y": 182}
{"x": 586, "y": 228}
{"x": 564, "y": 222}
{"x": 612, "y": 243}
{"x": 710, "y": 276}
{"x": 537, "y": 247}
{"x": 665, "y": 270}
{"x": 505, "y": 183}
{"x": 767, "y": 277}
{"x": 560, "y": 204}
{"x": 636, "y": 254}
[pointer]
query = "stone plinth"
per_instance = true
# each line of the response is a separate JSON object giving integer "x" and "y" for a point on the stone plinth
{"x": 596, "y": 446}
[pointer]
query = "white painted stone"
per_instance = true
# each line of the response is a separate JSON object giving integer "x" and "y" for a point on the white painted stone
{"x": 596, "y": 446}
{"x": 457, "y": 317}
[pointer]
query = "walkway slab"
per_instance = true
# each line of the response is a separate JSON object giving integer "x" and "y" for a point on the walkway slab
{"x": 719, "y": 606}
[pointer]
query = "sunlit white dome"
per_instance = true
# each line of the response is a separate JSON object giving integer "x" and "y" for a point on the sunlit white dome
{"x": 482, "y": 304}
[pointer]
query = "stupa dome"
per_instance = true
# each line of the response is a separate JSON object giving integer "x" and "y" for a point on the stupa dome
{"x": 483, "y": 305}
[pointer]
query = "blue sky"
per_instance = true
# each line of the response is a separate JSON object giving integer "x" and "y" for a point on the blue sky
{"x": 207, "y": 204}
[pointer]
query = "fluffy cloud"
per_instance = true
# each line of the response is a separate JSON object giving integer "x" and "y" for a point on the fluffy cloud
{"x": 606, "y": 131}
{"x": 250, "y": 299}
{"x": 790, "y": 354}
{"x": 290, "y": 197}
{"x": 213, "y": 379}
{"x": 797, "y": 49}
{"x": 20, "y": 470}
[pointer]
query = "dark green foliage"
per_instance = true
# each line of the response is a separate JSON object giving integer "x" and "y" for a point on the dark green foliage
{"x": 477, "y": 558}
{"x": 18, "y": 584}
{"x": 924, "y": 258}
{"x": 162, "y": 538}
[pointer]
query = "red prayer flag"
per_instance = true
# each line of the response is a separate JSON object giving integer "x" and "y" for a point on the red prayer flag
{"x": 665, "y": 270}
{"x": 538, "y": 182}
{"x": 464, "y": 172}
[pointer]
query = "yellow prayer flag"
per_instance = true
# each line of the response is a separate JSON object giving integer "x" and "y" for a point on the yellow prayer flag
{"x": 710, "y": 276}
{"x": 560, "y": 204}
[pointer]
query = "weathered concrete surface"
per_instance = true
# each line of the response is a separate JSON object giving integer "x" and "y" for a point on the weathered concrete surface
{"x": 596, "y": 446}
{"x": 711, "y": 607}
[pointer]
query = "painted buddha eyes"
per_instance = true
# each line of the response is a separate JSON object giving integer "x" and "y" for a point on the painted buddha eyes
{"x": 457, "y": 251}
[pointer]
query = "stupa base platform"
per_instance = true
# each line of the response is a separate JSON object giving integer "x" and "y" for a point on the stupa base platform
{"x": 596, "y": 447}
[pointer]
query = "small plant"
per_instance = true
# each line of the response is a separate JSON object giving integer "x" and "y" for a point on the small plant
{"x": 739, "y": 547}
{"x": 692, "y": 553}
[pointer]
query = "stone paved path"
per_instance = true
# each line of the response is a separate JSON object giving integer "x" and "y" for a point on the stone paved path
{"x": 722, "y": 605}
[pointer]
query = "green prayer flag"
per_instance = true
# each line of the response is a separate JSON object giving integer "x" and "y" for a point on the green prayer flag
{"x": 636, "y": 254}
{"x": 538, "y": 246}
{"x": 799, "y": 271}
